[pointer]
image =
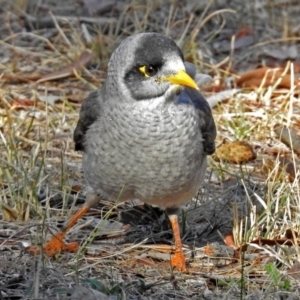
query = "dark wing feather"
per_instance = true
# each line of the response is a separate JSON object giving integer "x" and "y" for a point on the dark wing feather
{"x": 193, "y": 97}
{"x": 89, "y": 112}
{"x": 190, "y": 69}
{"x": 208, "y": 127}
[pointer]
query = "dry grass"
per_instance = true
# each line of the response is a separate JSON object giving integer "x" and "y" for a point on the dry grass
{"x": 40, "y": 172}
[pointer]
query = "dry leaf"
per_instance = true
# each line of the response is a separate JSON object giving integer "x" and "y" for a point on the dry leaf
{"x": 236, "y": 152}
{"x": 76, "y": 188}
{"x": 83, "y": 59}
{"x": 265, "y": 77}
{"x": 145, "y": 262}
{"x": 21, "y": 103}
{"x": 229, "y": 240}
{"x": 9, "y": 214}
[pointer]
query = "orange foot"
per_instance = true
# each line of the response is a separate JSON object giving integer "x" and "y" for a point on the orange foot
{"x": 178, "y": 261}
{"x": 54, "y": 246}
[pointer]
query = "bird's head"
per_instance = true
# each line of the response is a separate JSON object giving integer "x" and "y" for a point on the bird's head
{"x": 148, "y": 66}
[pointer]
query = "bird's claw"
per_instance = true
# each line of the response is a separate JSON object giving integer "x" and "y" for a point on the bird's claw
{"x": 178, "y": 261}
{"x": 54, "y": 246}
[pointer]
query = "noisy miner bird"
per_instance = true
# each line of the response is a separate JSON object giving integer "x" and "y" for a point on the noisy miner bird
{"x": 145, "y": 134}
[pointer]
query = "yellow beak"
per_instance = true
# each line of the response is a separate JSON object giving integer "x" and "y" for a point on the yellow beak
{"x": 182, "y": 78}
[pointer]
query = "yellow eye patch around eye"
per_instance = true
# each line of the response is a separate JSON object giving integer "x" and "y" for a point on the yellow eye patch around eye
{"x": 143, "y": 71}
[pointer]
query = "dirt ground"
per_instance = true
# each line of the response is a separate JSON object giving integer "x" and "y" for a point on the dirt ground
{"x": 52, "y": 54}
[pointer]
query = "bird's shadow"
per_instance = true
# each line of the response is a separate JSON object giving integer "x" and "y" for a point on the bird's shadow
{"x": 203, "y": 220}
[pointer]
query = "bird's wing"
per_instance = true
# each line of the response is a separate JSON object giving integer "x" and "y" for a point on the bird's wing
{"x": 190, "y": 69}
{"x": 198, "y": 77}
{"x": 207, "y": 123}
{"x": 89, "y": 112}
{"x": 195, "y": 98}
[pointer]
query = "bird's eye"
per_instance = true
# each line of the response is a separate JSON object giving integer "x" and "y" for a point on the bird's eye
{"x": 149, "y": 70}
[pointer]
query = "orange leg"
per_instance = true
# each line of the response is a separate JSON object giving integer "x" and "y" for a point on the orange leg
{"x": 56, "y": 244}
{"x": 178, "y": 260}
